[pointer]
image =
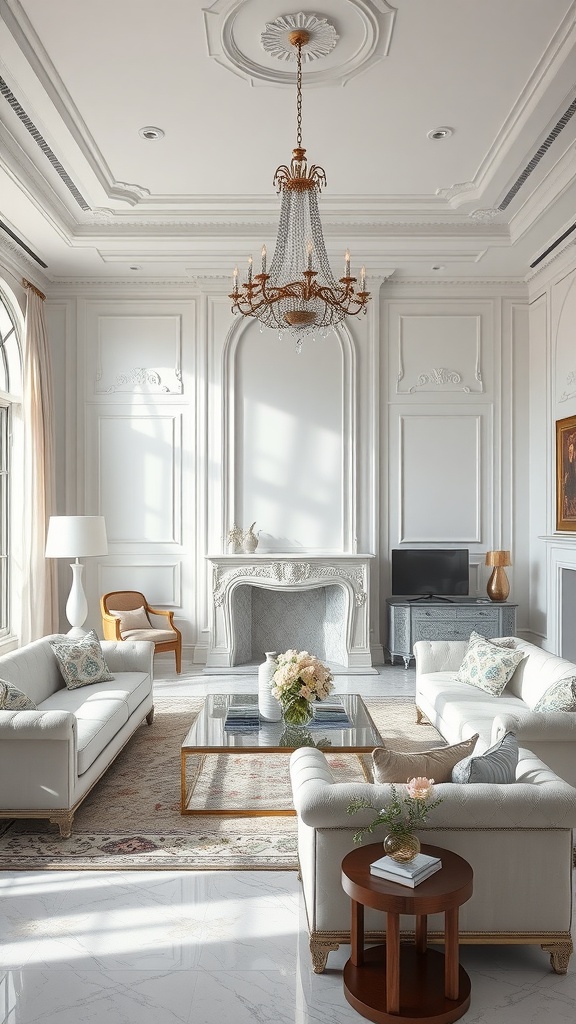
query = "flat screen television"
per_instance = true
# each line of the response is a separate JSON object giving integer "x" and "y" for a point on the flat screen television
{"x": 433, "y": 572}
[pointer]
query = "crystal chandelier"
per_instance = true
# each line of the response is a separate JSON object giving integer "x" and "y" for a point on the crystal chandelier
{"x": 299, "y": 293}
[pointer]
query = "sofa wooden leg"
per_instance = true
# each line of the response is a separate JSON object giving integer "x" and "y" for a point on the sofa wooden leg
{"x": 319, "y": 950}
{"x": 150, "y": 716}
{"x": 560, "y": 953}
{"x": 64, "y": 822}
{"x": 419, "y": 716}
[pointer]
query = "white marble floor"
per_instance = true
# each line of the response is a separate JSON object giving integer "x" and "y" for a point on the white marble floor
{"x": 205, "y": 947}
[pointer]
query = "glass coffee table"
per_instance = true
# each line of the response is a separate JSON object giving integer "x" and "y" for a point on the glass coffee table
{"x": 209, "y": 735}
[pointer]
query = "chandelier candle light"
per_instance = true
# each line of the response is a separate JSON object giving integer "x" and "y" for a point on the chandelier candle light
{"x": 299, "y": 293}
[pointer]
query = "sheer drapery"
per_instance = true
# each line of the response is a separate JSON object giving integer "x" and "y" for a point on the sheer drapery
{"x": 39, "y": 591}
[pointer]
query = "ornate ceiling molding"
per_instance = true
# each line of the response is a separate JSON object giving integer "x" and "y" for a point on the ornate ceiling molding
{"x": 364, "y": 39}
{"x": 275, "y": 40}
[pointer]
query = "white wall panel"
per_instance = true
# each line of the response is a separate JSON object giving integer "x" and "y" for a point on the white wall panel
{"x": 289, "y": 441}
{"x": 160, "y": 581}
{"x": 439, "y": 353}
{"x": 139, "y": 477}
{"x": 138, "y": 354}
{"x": 439, "y": 478}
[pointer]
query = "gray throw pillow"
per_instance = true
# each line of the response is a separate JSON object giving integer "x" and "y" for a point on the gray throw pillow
{"x": 498, "y": 764}
{"x": 12, "y": 699}
{"x": 81, "y": 660}
{"x": 561, "y": 696}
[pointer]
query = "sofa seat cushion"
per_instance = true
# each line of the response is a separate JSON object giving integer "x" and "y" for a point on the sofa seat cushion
{"x": 462, "y": 710}
{"x": 157, "y": 636}
{"x": 101, "y": 709}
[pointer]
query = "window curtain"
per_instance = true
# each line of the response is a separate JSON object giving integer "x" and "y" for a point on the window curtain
{"x": 39, "y": 588}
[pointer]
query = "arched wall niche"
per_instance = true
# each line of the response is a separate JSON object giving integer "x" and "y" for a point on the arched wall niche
{"x": 289, "y": 439}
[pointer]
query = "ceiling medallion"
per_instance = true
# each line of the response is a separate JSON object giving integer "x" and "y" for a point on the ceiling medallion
{"x": 299, "y": 292}
{"x": 322, "y": 37}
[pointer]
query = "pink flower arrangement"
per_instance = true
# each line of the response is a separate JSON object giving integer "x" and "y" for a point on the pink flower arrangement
{"x": 404, "y": 813}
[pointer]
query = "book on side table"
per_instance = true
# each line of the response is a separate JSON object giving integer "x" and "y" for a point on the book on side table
{"x": 411, "y": 873}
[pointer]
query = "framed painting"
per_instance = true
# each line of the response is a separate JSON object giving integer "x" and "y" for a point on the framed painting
{"x": 566, "y": 473}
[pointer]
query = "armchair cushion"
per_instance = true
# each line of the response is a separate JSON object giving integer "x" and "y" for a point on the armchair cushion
{"x": 131, "y": 618}
{"x": 437, "y": 764}
{"x": 81, "y": 660}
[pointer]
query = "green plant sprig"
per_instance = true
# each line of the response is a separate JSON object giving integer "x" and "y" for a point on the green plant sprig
{"x": 402, "y": 816}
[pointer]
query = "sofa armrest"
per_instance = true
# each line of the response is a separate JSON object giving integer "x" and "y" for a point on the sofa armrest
{"x": 551, "y": 725}
{"x": 129, "y": 656}
{"x": 538, "y": 798}
{"x": 38, "y": 760}
{"x": 439, "y": 655}
{"x": 37, "y": 725}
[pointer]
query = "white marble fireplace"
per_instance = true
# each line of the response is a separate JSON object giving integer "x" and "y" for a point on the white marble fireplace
{"x": 272, "y": 602}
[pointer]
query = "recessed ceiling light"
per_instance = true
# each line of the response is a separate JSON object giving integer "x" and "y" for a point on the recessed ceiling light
{"x": 440, "y": 133}
{"x": 135, "y": 266}
{"x": 151, "y": 134}
{"x": 437, "y": 266}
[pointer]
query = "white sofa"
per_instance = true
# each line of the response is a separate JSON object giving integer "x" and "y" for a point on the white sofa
{"x": 458, "y": 710}
{"x": 50, "y": 758}
{"x": 517, "y": 837}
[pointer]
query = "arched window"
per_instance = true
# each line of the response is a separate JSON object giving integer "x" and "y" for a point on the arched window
{"x": 11, "y": 327}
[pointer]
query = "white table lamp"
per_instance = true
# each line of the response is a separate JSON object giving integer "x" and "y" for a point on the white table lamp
{"x": 76, "y": 537}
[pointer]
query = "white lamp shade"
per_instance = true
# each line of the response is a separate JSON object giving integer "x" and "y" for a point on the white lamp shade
{"x": 76, "y": 536}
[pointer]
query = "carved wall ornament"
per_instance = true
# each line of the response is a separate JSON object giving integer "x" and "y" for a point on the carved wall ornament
{"x": 485, "y": 216}
{"x": 140, "y": 377}
{"x": 455, "y": 190}
{"x": 570, "y": 391}
{"x": 323, "y": 37}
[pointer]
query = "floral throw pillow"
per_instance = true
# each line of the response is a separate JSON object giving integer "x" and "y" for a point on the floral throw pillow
{"x": 488, "y": 666}
{"x": 561, "y": 696}
{"x": 12, "y": 699}
{"x": 81, "y": 660}
{"x": 500, "y": 641}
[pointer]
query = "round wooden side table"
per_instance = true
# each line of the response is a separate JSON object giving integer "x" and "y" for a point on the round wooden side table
{"x": 418, "y": 984}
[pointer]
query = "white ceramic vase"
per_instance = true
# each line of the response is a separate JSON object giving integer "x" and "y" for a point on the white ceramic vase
{"x": 270, "y": 709}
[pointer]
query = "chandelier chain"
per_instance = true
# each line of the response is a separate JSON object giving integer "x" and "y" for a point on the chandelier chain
{"x": 299, "y": 98}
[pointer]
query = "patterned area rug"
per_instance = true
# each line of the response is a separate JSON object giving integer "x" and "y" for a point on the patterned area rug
{"x": 132, "y": 817}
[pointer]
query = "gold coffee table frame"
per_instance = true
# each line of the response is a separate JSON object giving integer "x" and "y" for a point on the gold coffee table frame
{"x": 207, "y": 735}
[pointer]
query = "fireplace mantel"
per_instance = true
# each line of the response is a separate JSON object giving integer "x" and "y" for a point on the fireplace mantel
{"x": 234, "y": 633}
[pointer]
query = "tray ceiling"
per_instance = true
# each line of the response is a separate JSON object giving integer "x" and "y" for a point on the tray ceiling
{"x": 90, "y": 197}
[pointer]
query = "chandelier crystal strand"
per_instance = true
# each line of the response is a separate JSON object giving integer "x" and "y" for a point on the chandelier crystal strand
{"x": 299, "y": 293}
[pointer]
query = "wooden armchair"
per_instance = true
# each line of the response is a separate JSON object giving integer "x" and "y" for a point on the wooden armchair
{"x": 126, "y": 616}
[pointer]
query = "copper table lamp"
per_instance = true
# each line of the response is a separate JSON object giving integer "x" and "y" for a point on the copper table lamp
{"x": 498, "y": 586}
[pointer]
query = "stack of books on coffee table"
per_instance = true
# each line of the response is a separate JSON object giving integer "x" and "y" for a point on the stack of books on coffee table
{"x": 330, "y": 712}
{"x": 242, "y": 718}
{"x": 411, "y": 873}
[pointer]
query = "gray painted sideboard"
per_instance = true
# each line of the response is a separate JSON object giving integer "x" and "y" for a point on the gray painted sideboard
{"x": 409, "y": 621}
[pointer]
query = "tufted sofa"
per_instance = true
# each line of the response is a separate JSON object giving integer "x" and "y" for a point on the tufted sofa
{"x": 517, "y": 837}
{"x": 50, "y": 758}
{"x": 458, "y": 710}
